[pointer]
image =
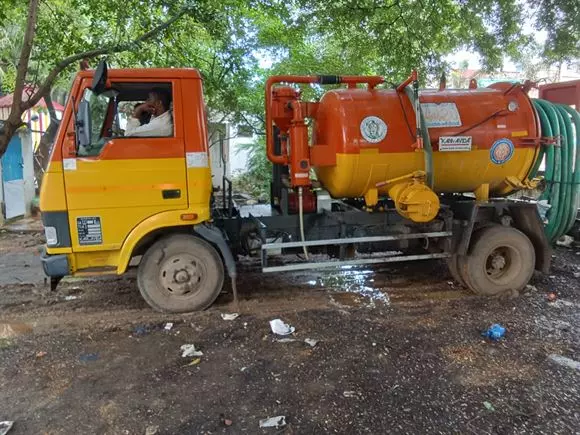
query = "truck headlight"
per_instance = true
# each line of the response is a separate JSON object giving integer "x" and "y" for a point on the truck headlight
{"x": 51, "y": 237}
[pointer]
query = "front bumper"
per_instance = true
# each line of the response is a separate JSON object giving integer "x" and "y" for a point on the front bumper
{"x": 55, "y": 265}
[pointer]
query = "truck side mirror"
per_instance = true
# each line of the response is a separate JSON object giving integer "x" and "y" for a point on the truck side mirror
{"x": 83, "y": 125}
{"x": 99, "y": 84}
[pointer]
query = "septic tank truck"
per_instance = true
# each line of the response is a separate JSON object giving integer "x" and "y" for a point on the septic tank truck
{"x": 367, "y": 174}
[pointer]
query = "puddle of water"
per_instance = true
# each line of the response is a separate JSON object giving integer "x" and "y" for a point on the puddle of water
{"x": 10, "y": 330}
{"x": 350, "y": 280}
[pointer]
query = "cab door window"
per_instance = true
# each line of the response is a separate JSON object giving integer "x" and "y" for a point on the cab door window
{"x": 129, "y": 110}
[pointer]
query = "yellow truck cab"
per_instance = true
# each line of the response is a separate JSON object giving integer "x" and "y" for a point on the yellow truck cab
{"x": 106, "y": 197}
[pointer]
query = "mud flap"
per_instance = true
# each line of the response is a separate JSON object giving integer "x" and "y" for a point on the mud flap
{"x": 215, "y": 236}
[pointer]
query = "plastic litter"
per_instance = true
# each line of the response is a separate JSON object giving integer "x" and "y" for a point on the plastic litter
{"x": 70, "y": 298}
{"x": 495, "y": 332}
{"x": 281, "y": 328}
{"x": 349, "y": 394}
{"x": 286, "y": 340}
{"x": 277, "y": 422}
{"x": 531, "y": 288}
{"x": 311, "y": 342}
{"x": 141, "y": 330}
{"x": 188, "y": 350}
{"x": 89, "y": 357}
{"x": 230, "y": 316}
{"x": 194, "y": 362}
{"x": 565, "y": 241}
{"x": 152, "y": 430}
{"x": 168, "y": 326}
{"x": 564, "y": 361}
{"x": 41, "y": 354}
{"x": 5, "y": 426}
{"x": 488, "y": 406}
{"x": 226, "y": 421}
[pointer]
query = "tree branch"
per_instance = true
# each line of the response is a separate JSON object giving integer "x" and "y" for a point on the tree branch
{"x": 96, "y": 52}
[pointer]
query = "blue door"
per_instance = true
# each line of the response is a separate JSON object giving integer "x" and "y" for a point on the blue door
{"x": 13, "y": 178}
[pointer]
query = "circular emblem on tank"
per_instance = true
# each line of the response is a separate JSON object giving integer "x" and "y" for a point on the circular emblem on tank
{"x": 501, "y": 151}
{"x": 373, "y": 129}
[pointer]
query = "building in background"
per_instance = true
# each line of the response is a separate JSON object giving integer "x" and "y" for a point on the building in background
{"x": 37, "y": 117}
{"x": 226, "y": 151}
{"x": 461, "y": 77}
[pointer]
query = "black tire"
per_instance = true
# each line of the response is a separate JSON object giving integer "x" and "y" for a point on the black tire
{"x": 453, "y": 266}
{"x": 180, "y": 273}
{"x": 500, "y": 259}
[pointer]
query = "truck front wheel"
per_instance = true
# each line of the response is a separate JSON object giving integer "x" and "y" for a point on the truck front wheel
{"x": 500, "y": 259}
{"x": 180, "y": 273}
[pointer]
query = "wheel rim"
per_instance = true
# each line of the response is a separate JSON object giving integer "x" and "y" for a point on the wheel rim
{"x": 501, "y": 263}
{"x": 182, "y": 275}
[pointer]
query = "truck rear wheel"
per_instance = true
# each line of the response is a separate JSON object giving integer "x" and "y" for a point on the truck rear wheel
{"x": 500, "y": 259}
{"x": 180, "y": 273}
{"x": 453, "y": 266}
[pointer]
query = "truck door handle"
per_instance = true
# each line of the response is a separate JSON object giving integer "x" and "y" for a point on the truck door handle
{"x": 171, "y": 193}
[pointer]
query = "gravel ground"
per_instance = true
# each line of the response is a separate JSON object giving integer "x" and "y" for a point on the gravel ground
{"x": 400, "y": 351}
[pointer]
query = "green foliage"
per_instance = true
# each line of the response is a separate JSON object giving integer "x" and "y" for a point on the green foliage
{"x": 227, "y": 40}
{"x": 256, "y": 180}
{"x": 561, "y": 20}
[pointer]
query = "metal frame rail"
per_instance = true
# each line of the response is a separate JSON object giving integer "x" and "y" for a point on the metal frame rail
{"x": 370, "y": 239}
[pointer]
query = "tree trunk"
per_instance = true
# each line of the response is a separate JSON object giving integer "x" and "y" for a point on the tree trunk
{"x": 42, "y": 153}
{"x": 14, "y": 120}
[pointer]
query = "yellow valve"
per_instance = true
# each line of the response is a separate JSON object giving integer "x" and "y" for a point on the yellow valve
{"x": 413, "y": 199}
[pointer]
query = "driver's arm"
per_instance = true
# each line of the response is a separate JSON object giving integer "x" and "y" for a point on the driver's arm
{"x": 134, "y": 128}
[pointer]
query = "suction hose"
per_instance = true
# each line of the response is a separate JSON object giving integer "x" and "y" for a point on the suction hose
{"x": 561, "y": 123}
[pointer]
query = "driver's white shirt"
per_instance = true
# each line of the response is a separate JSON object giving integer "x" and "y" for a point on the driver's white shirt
{"x": 157, "y": 126}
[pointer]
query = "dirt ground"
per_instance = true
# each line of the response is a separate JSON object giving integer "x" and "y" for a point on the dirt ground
{"x": 400, "y": 351}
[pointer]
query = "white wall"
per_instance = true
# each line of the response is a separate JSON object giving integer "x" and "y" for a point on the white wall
{"x": 239, "y": 157}
{"x": 236, "y": 157}
{"x": 218, "y": 169}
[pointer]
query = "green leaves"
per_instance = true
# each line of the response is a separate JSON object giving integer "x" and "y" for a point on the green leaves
{"x": 236, "y": 44}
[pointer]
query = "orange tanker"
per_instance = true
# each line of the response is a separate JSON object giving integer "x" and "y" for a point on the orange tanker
{"x": 365, "y": 141}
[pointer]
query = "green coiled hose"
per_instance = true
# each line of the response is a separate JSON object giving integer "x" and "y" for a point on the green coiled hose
{"x": 562, "y": 124}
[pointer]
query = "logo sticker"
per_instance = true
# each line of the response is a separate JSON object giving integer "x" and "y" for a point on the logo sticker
{"x": 455, "y": 143}
{"x": 373, "y": 129}
{"x": 501, "y": 151}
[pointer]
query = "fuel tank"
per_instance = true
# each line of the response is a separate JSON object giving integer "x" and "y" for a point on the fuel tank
{"x": 486, "y": 137}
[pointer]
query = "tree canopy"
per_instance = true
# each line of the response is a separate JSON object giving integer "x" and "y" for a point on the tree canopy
{"x": 236, "y": 44}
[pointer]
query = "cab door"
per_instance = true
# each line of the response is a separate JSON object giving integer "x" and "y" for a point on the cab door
{"x": 119, "y": 181}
